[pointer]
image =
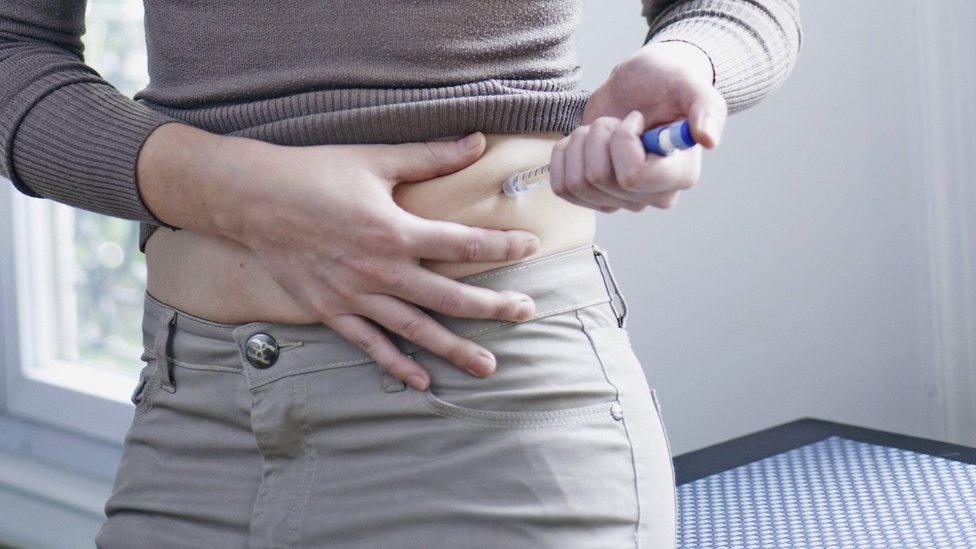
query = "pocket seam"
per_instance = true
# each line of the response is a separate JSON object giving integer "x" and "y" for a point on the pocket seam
{"x": 667, "y": 441}
{"x": 587, "y": 412}
{"x": 624, "y": 337}
{"x": 511, "y": 419}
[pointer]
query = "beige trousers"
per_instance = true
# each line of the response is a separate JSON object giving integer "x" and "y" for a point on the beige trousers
{"x": 284, "y": 435}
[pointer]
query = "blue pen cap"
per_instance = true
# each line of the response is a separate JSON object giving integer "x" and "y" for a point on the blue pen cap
{"x": 664, "y": 140}
{"x": 684, "y": 136}
{"x": 652, "y": 141}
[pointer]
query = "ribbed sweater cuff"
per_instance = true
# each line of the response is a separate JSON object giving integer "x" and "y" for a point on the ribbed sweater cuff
{"x": 725, "y": 51}
{"x": 751, "y": 53}
{"x": 79, "y": 145}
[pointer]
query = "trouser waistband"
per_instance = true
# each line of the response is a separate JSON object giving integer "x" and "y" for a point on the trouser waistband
{"x": 559, "y": 282}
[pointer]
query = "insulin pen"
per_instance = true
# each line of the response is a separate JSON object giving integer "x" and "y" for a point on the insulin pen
{"x": 662, "y": 141}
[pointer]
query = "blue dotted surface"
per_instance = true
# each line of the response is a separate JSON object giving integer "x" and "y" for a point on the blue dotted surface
{"x": 836, "y": 493}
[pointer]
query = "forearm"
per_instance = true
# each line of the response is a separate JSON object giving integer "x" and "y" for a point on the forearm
{"x": 77, "y": 145}
{"x": 65, "y": 133}
{"x": 193, "y": 179}
{"x": 752, "y": 46}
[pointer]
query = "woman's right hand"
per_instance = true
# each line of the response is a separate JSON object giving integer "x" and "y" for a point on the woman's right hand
{"x": 323, "y": 222}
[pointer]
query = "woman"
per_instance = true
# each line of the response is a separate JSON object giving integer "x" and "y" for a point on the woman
{"x": 353, "y": 339}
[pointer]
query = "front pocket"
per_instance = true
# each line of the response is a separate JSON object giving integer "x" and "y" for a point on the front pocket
{"x": 433, "y": 471}
{"x": 547, "y": 374}
{"x": 604, "y": 411}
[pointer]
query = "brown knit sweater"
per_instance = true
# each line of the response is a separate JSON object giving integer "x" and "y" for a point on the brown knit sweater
{"x": 308, "y": 72}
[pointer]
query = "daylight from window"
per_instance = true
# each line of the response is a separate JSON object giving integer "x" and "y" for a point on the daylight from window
{"x": 107, "y": 272}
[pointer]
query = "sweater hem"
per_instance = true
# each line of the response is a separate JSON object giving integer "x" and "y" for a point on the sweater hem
{"x": 348, "y": 116}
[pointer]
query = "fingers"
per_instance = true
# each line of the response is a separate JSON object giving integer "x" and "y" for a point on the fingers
{"x": 448, "y": 296}
{"x": 663, "y": 200}
{"x": 707, "y": 115}
{"x": 374, "y": 342}
{"x": 411, "y": 323}
{"x": 580, "y": 177}
{"x": 599, "y": 170}
{"x": 407, "y": 162}
{"x": 557, "y": 170}
{"x": 449, "y": 241}
{"x": 581, "y": 167}
{"x": 642, "y": 174}
{"x": 604, "y": 166}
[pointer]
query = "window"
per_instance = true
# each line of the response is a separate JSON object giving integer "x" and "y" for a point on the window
{"x": 72, "y": 294}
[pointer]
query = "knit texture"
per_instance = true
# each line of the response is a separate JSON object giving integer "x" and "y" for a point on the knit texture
{"x": 753, "y": 44}
{"x": 307, "y": 72}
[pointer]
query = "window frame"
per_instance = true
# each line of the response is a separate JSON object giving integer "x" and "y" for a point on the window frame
{"x": 90, "y": 401}
{"x": 72, "y": 396}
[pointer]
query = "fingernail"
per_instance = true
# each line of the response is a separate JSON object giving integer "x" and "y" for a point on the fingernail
{"x": 525, "y": 308}
{"x": 531, "y": 247}
{"x": 484, "y": 364}
{"x": 417, "y": 381}
{"x": 469, "y": 142}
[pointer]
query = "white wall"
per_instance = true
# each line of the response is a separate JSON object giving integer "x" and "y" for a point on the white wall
{"x": 794, "y": 279}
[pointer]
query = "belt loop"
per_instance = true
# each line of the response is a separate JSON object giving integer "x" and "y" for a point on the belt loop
{"x": 160, "y": 349}
{"x": 610, "y": 281}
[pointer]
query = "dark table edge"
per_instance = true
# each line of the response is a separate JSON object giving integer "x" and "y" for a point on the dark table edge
{"x": 746, "y": 449}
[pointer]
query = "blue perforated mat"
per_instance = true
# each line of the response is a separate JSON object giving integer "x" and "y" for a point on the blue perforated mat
{"x": 836, "y": 493}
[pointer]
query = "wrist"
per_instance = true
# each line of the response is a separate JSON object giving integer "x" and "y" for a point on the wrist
{"x": 201, "y": 181}
{"x": 242, "y": 186}
{"x": 692, "y": 56}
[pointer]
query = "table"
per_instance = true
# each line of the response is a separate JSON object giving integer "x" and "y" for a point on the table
{"x": 819, "y": 484}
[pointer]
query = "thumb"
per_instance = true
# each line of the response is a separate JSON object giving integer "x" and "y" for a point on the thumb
{"x": 407, "y": 162}
{"x": 707, "y": 115}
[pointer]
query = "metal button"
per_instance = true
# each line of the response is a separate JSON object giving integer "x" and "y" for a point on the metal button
{"x": 261, "y": 350}
{"x": 616, "y": 411}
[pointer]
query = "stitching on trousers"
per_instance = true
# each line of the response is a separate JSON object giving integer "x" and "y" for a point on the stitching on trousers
{"x": 585, "y": 417}
{"x": 255, "y": 381}
{"x": 630, "y": 443}
{"x": 204, "y": 367}
{"x": 539, "y": 415}
{"x": 258, "y": 381}
{"x": 537, "y": 316}
{"x": 264, "y": 506}
{"x": 519, "y": 266}
{"x": 310, "y": 462}
{"x": 268, "y": 491}
{"x": 667, "y": 442}
{"x": 413, "y": 348}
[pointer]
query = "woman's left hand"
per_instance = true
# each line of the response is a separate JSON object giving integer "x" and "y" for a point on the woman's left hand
{"x": 602, "y": 164}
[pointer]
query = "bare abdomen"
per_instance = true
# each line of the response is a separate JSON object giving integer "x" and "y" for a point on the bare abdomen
{"x": 222, "y": 281}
